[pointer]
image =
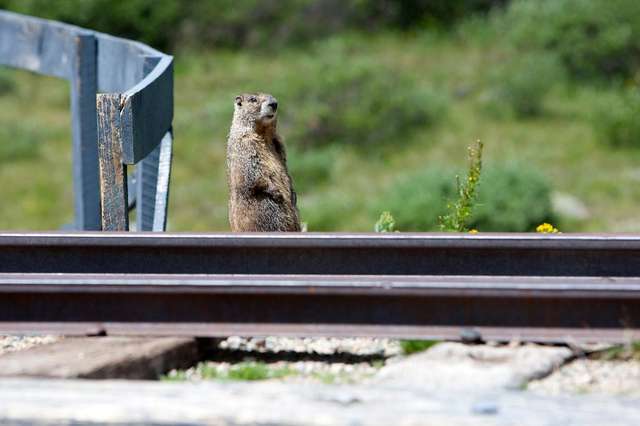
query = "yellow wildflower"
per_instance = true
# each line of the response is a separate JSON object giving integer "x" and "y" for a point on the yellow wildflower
{"x": 473, "y": 231}
{"x": 547, "y": 228}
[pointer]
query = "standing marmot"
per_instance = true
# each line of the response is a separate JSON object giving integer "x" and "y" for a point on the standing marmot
{"x": 261, "y": 196}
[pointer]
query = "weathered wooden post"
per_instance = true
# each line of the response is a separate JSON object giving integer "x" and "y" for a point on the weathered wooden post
{"x": 113, "y": 171}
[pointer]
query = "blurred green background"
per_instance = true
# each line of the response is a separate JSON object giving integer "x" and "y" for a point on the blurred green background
{"x": 378, "y": 101}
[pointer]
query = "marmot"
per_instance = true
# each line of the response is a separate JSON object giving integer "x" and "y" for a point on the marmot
{"x": 261, "y": 195}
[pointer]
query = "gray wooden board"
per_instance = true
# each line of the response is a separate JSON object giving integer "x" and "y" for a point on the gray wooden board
{"x": 149, "y": 110}
{"x": 153, "y": 187}
{"x": 146, "y": 188}
{"x": 85, "y": 134}
{"x": 164, "y": 179}
{"x": 37, "y": 45}
{"x": 124, "y": 67}
{"x": 101, "y": 358}
{"x": 119, "y": 64}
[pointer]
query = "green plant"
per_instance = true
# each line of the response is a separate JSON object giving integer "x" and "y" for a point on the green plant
{"x": 413, "y": 346}
{"x": 460, "y": 211}
{"x": 310, "y": 168}
{"x": 363, "y": 105}
{"x": 7, "y": 83}
{"x": 326, "y": 211}
{"x": 520, "y": 84}
{"x": 254, "y": 371}
{"x": 174, "y": 376}
{"x": 615, "y": 118}
{"x": 418, "y": 199}
{"x": 386, "y": 223}
{"x": 265, "y": 24}
{"x": 19, "y": 142}
{"x": 629, "y": 351}
{"x": 593, "y": 38}
{"x": 513, "y": 198}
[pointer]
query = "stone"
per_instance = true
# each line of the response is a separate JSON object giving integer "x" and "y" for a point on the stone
{"x": 101, "y": 357}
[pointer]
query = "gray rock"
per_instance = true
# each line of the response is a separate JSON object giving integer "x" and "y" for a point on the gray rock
{"x": 480, "y": 366}
{"x": 592, "y": 376}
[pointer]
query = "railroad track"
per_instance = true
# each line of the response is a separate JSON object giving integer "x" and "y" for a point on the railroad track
{"x": 532, "y": 287}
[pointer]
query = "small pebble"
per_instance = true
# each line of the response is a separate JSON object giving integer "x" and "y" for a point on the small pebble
{"x": 485, "y": 408}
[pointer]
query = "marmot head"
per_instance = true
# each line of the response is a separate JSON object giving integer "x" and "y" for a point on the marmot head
{"x": 255, "y": 110}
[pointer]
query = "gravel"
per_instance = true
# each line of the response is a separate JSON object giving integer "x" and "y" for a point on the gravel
{"x": 13, "y": 343}
{"x": 592, "y": 376}
{"x": 343, "y": 360}
{"x": 324, "y": 346}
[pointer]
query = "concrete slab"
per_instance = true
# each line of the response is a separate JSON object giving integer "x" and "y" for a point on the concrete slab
{"x": 101, "y": 358}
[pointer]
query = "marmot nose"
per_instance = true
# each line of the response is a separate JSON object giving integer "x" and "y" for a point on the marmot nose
{"x": 273, "y": 105}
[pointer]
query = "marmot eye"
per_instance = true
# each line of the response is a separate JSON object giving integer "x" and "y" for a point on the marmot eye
{"x": 253, "y": 99}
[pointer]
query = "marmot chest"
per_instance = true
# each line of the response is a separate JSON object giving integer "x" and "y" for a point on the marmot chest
{"x": 258, "y": 160}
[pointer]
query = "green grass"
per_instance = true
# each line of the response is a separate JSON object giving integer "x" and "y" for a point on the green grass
{"x": 414, "y": 346}
{"x": 35, "y": 154}
{"x": 243, "y": 371}
{"x": 341, "y": 187}
{"x": 629, "y": 351}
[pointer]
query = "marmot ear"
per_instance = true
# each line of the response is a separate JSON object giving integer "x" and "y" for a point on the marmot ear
{"x": 239, "y": 100}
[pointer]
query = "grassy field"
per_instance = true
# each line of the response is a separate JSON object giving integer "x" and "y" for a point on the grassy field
{"x": 343, "y": 186}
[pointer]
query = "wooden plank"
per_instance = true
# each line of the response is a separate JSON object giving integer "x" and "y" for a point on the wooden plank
{"x": 154, "y": 173}
{"x": 149, "y": 106}
{"x": 113, "y": 172}
{"x": 119, "y": 64}
{"x": 145, "y": 78}
{"x": 85, "y": 149}
{"x": 164, "y": 179}
{"x": 146, "y": 189}
{"x": 102, "y": 358}
{"x": 38, "y": 45}
{"x": 147, "y": 173}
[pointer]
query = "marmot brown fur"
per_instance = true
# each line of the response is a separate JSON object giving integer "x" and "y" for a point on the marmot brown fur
{"x": 261, "y": 196}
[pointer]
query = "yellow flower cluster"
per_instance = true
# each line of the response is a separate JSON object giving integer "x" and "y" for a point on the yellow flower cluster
{"x": 473, "y": 231}
{"x": 547, "y": 228}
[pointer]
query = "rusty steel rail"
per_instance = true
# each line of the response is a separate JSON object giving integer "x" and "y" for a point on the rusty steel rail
{"x": 502, "y": 308}
{"x": 616, "y": 255}
{"x": 442, "y": 286}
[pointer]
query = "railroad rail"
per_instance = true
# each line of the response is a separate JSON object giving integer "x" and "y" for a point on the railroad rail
{"x": 445, "y": 286}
